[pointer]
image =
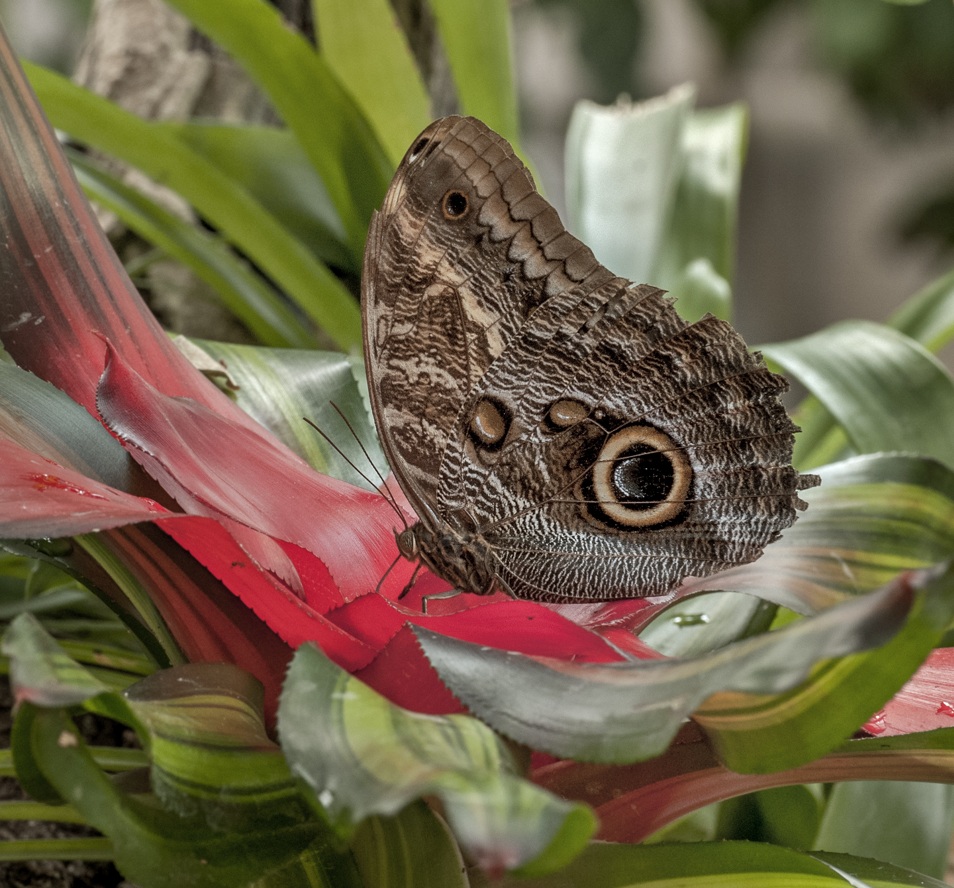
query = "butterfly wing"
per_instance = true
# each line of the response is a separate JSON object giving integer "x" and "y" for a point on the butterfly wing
{"x": 556, "y": 428}
{"x": 461, "y": 252}
{"x": 613, "y": 450}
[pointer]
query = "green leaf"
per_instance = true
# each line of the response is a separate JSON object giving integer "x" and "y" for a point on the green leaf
{"x": 476, "y": 37}
{"x": 210, "y": 754}
{"x": 631, "y": 711}
{"x": 40, "y": 416}
{"x": 154, "y": 848}
{"x": 703, "y": 623}
{"x": 371, "y": 757}
{"x": 906, "y": 823}
{"x": 753, "y": 734}
{"x": 375, "y": 64}
{"x": 324, "y": 118}
{"x": 56, "y": 849}
{"x": 653, "y": 188}
{"x": 702, "y": 228}
{"x": 282, "y": 387}
{"x": 928, "y": 316}
{"x": 622, "y": 170}
{"x": 820, "y": 440}
{"x": 865, "y": 375}
{"x": 739, "y": 864}
{"x": 790, "y": 815}
{"x": 413, "y": 848}
{"x": 40, "y": 670}
{"x": 225, "y": 809}
{"x": 269, "y": 164}
{"x": 155, "y": 150}
{"x": 240, "y": 289}
{"x": 871, "y": 518}
{"x": 698, "y": 290}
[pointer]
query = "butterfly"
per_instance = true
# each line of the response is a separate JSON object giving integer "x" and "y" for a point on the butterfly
{"x": 562, "y": 434}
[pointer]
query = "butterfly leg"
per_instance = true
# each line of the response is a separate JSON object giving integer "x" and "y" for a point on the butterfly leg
{"x": 438, "y": 596}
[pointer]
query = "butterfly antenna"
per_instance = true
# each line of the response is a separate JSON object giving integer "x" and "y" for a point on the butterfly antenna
{"x": 385, "y": 492}
{"x": 384, "y": 484}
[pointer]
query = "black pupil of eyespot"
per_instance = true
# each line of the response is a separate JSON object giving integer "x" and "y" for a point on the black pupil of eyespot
{"x": 642, "y": 477}
{"x": 455, "y": 204}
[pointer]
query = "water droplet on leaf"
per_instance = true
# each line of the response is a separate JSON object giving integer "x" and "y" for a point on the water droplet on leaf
{"x": 684, "y": 620}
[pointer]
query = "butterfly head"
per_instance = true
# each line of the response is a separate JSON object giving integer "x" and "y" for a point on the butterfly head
{"x": 456, "y": 555}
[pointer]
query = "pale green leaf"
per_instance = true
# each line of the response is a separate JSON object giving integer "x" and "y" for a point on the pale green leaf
{"x": 622, "y": 169}
{"x": 476, "y": 36}
{"x": 884, "y": 389}
{"x": 364, "y": 45}
{"x": 282, "y": 388}
{"x": 907, "y": 823}
{"x": 703, "y": 222}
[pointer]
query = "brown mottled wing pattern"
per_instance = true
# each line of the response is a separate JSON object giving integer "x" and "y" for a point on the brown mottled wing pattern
{"x": 441, "y": 302}
{"x": 630, "y": 366}
{"x": 563, "y": 434}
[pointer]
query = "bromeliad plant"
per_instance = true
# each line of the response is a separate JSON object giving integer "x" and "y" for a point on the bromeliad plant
{"x": 236, "y": 546}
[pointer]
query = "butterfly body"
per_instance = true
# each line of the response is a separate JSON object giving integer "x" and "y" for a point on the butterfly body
{"x": 561, "y": 432}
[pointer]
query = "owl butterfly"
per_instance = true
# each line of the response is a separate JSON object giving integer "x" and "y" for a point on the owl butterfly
{"x": 561, "y": 432}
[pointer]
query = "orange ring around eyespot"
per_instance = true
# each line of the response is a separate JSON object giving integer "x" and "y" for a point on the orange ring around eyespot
{"x": 605, "y": 490}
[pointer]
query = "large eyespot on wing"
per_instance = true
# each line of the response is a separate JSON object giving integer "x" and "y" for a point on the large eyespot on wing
{"x": 640, "y": 479}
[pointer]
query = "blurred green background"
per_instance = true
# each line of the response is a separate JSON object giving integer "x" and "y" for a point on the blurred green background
{"x": 848, "y": 197}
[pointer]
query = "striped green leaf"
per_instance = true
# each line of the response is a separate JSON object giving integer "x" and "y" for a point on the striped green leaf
{"x": 282, "y": 388}
{"x": 753, "y": 732}
{"x": 224, "y": 808}
{"x": 372, "y": 757}
{"x": 413, "y": 848}
{"x": 865, "y": 374}
{"x": 871, "y": 518}
{"x": 627, "y": 712}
